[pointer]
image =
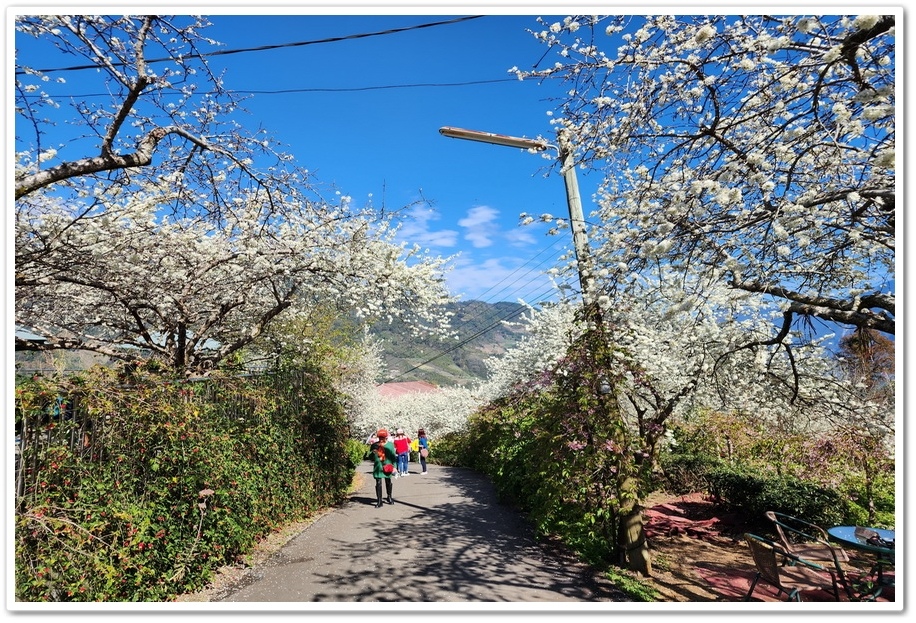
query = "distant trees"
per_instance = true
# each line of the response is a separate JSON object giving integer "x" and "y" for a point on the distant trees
{"x": 188, "y": 256}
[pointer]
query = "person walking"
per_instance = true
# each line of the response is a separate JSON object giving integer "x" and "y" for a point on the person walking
{"x": 423, "y": 443}
{"x": 402, "y": 448}
{"x": 383, "y": 465}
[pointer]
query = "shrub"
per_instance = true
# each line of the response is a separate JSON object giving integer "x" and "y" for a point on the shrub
{"x": 686, "y": 473}
{"x": 871, "y": 504}
{"x": 451, "y": 449}
{"x": 357, "y": 451}
{"x": 174, "y": 480}
{"x": 753, "y": 495}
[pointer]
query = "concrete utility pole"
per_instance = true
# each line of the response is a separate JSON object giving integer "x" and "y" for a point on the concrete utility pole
{"x": 573, "y": 200}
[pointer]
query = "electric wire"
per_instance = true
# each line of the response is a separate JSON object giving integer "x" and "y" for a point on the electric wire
{"x": 238, "y": 92}
{"x": 540, "y": 297}
{"x": 510, "y": 316}
{"x": 493, "y": 287}
{"x": 276, "y": 46}
{"x": 501, "y": 295}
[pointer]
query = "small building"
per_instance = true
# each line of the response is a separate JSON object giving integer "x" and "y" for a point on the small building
{"x": 394, "y": 390}
{"x": 26, "y": 335}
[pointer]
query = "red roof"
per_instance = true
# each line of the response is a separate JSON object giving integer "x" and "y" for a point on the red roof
{"x": 409, "y": 387}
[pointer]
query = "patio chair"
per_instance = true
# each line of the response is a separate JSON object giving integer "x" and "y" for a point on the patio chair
{"x": 808, "y": 541}
{"x": 791, "y": 579}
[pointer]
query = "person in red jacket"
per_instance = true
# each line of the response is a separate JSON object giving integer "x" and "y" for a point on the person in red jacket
{"x": 383, "y": 465}
{"x": 402, "y": 448}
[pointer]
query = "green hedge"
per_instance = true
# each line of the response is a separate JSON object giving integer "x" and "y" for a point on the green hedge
{"x": 752, "y": 496}
{"x": 182, "y": 478}
{"x": 686, "y": 473}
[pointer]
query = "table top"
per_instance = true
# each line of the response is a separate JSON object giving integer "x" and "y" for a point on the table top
{"x": 847, "y": 536}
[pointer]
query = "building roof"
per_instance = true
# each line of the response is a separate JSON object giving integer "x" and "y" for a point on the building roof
{"x": 409, "y": 387}
{"x": 22, "y": 333}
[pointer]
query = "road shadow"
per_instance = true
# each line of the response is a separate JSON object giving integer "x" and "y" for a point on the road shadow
{"x": 446, "y": 538}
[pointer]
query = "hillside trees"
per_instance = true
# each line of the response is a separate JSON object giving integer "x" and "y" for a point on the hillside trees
{"x": 187, "y": 256}
{"x": 759, "y": 150}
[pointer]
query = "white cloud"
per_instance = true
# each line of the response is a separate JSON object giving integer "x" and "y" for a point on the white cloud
{"x": 496, "y": 279}
{"x": 415, "y": 229}
{"x": 479, "y": 226}
{"x": 520, "y": 238}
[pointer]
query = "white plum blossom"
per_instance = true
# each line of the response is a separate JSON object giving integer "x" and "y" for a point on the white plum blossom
{"x": 761, "y": 150}
{"x": 192, "y": 292}
{"x": 705, "y": 33}
{"x": 438, "y": 412}
{"x": 191, "y": 235}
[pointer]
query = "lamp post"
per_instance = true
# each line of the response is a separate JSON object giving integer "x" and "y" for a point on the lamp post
{"x": 573, "y": 200}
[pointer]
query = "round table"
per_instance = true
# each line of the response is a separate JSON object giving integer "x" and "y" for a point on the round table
{"x": 885, "y": 555}
{"x": 847, "y": 536}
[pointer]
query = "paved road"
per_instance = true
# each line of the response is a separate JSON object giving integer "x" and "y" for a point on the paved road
{"x": 445, "y": 539}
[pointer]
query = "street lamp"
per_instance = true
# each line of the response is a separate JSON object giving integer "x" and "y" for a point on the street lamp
{"x": 573, "y": 200}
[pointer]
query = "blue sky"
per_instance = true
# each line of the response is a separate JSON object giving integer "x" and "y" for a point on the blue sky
{"x": 363, "y": 115}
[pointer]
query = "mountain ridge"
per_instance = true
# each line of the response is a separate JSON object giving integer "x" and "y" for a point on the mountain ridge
{"x": 481, "y": 332}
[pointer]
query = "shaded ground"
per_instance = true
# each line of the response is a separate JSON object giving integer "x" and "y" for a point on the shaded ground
{"x": 467, "y": 547}
{"x": 700, "y": 555}
{"x": 446, "y": 538}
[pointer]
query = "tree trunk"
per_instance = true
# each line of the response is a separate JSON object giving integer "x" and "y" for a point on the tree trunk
{"x": 634, "y": 551}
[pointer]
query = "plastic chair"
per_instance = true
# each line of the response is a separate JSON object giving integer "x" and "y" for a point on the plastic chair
{"x": 808, "y": 541}
{"x": 793, "y": 578}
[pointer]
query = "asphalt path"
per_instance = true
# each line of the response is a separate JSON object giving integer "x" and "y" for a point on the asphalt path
{"x": 446, "y": 538}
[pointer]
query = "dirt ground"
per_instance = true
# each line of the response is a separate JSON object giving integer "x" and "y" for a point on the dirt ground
{"x": 700, "y": 555}
{"x": 692, "y": 548}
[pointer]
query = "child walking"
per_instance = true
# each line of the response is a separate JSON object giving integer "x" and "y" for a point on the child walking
{"x": 402, "y": 449}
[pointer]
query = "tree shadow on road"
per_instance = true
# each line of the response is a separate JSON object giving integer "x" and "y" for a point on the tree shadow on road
{"x": 446, "y": 538}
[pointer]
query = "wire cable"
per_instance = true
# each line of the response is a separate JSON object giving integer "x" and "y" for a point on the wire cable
{"x": 276, "y": 46}
{"x": 469, "y": 339}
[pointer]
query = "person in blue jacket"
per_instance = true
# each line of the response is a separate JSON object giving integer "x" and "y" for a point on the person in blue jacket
{"x": 424, "y": 449}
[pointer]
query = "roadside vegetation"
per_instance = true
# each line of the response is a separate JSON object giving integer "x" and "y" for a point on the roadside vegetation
{"x": 140, "y": 487}
{"x": 736, "y": 336}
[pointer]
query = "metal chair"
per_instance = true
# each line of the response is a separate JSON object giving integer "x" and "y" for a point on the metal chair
{"x": 791, "y": 579}
{"x": 808, "y": 541}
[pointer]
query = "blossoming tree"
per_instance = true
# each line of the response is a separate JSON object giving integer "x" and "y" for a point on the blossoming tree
{"x": 758, "y": 149}
{"x": 124, "y": 280}
{"x": 664, "y": 351}
{"x": 187, "y": 256}
{"x": 746, "y": 154}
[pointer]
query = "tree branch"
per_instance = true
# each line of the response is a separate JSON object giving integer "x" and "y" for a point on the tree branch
{"x": 857, "y": 312}
{"x": 106, "y": 162}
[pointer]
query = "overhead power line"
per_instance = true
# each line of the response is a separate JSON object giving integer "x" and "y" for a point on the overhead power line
{"x": 376, "y": 88}
{"x": 277, "y": 46}
{"x": 381, "y": 87}
{"x": 545, "y": 296}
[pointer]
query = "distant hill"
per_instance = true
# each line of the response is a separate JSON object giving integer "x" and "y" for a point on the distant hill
{"x": 481, "y": 334}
